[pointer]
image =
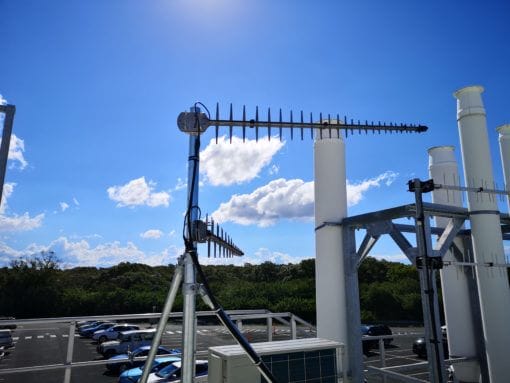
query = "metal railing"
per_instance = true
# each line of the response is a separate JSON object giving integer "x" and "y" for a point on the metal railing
{"x": 239, "y": 316}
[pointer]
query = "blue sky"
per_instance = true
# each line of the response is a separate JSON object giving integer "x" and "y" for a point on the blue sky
{"x": 98, "y": 167}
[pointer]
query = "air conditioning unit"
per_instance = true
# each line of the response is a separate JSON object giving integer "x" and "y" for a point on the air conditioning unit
{"x": 299, "y": 360}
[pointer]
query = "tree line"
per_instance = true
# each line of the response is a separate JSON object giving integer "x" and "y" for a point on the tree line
{"x": 38, "y": 287}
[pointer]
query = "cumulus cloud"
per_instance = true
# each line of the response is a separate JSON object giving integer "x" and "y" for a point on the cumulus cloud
{"x": 16, "y": 223}
{"x": 138, "y": 192}
{"x": 64, "y": 206}
{"x": 228, "y": 163}
{"x": 152, "y": 234}
{"x": 355, "y": 192}
{"x": 280, "y": 198}
{"x": 22, "y": 222}
{"x": 259, "y": 256}
{"x": 81, "y": 253}
{"x": 16, "y": 149}
{"x": 286, "y": 199}
{"x": 76, "y": 201}
{"x": 3, "y": 101}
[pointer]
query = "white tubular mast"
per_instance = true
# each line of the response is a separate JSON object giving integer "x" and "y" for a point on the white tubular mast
{"x": 487, "y": 241}
{"x": 330, "y": 206}
{"x": 455, "y": 289}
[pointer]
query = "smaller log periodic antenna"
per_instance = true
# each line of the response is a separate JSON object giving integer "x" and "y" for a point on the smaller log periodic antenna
{"x": 221, "y": 243}
{"x": 196, "y": 123}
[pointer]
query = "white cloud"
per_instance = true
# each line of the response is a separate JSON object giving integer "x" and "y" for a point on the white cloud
{"x": 180, "y": 184}
{"x": 7, "y": 192}
{"x": 228, "y": 163}
{"x": 273, "y": 170}
{"x": 286, "y": 199}
{"x": 3, "y": 101}
{"x": 260, "y": 256}
{"x": 76, "y": 201}
{"x": 64, "y": 206}
{"x": 355, "y": 192}
{"x": 22, "y": 222}
{"x": 81, "y": 253}
{"x": 401, "y": 258}
{"x": 16, "y": 223}
{"x": 152, "y": 234}
{"x": 138, "y": 192}
{"x": 278, "y": 199}
{"x": 16, "y": 149}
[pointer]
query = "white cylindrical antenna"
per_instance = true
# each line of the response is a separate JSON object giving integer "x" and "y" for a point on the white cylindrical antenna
{"x": 504, "y": 148}
{"x": 443, "y": 169}
{"x": 487, "y": 241}
{"x": 330, "y": 206}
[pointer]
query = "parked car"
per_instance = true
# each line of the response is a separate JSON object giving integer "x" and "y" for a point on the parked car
{"x": 132, "y": 375}
{"x": 7, "y": 326}
{"x": 374, "y": 330}
{"x": 127, "y": 341}
{"x": 88, "y": 331}
{"x": 113, "y": 332}
{"x": 140, "y": 351}
{"x": 172, "y": 372}
{"x": 6, "y": 338}
{"x": 420, "y": 346}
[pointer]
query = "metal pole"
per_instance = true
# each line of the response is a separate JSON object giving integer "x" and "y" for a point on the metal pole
{"x": 190, "y": 286}
{"x": 9, "y": 111}
{"x": 170, "y": 299}
{"x": 293, "y": 328}
{"x": 269, "y": 323}
{"x": 428, "y": 288}
{"x": 69, "y": 357}
{"x": 188, "y": 321}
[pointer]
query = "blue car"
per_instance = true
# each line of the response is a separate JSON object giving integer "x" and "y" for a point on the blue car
{"x": 89, "y": 330}
{"x": 132, "y": 375}
{"x": 138, "y": 352}
{"x": 172, "y": 372}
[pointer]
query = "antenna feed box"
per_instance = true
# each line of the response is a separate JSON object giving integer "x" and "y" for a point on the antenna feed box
{"x": 193, "y": 123}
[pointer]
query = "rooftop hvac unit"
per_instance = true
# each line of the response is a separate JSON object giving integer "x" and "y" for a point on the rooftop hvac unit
{"x": 291, "y": 361}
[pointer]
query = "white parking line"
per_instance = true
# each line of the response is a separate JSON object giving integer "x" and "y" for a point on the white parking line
{"x": 65, "y": 336}
{"x": 179, "y": 332}
{"x": 15, "y": 338}
{"x": 28, "y": 337}
{"x": 40, "y": 336}
{"x": 53, "y": 336}
{"x": 170, "y": 332}
{"x": 76, "y": 334}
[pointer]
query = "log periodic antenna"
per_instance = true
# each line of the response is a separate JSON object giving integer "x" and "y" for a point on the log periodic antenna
{"x": 196, "y": 123}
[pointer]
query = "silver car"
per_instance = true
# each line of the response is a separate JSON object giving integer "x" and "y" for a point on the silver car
{"x": 113, "y": 332}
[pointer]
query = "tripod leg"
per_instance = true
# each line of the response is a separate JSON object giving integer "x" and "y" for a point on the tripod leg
{"x": 172, "y": 292}
{"x": 238, "y": 336}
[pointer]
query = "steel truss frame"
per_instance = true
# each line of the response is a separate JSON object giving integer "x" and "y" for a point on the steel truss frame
{"x": 381, "y": 222}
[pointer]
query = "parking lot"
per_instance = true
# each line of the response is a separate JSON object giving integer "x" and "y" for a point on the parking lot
{"x": 47, "y": 344}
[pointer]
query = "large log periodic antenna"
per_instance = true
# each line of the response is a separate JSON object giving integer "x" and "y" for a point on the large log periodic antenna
{"x": 197, "y": 122}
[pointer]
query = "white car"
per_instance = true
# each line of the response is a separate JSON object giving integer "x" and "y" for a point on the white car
{"x": 127, "y": 341}
{"x": 113, "y": 332}
{"x": 172, "y": 372}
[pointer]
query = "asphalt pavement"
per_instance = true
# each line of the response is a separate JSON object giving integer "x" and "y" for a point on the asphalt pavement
{"x": 37, "y": 345}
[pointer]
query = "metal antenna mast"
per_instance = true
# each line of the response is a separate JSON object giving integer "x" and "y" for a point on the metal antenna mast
{"x": 9, "y": 111}
{"x": 195, "y": 123}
